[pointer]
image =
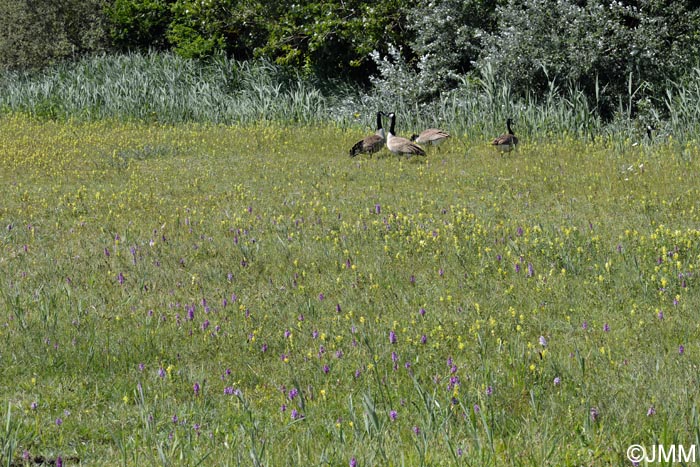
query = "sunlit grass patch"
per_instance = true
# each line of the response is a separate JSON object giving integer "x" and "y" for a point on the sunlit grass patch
{"x": 187, "y": 293}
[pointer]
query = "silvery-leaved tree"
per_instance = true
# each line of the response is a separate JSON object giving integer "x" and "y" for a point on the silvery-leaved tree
{"x": 447, "y": 39}
{"x": 445, "y": 43}
{"x": 610, "y": 49}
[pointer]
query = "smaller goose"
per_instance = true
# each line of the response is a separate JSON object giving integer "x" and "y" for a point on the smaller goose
{"x": 650, "y": 129}
{"x": 650, "y": 136}
{"x": 507, "y": 141}
{"x": 372, "y": 143}
{"x": 399, "y": 145}
{"x": 431, "y": 136}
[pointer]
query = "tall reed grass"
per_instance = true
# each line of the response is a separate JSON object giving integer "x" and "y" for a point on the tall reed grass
{"x": 162, "y": 87}
{"x": 169, "y": 89}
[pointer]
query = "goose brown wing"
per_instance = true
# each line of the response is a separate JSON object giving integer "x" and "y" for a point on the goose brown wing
{"x": 368, "y": 145}
{"x": 504, "y": 139}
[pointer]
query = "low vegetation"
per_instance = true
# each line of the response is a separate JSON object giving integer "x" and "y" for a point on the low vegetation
{"x": 225, "y": 294}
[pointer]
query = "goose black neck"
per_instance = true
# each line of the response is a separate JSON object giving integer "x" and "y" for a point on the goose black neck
{"x": 510, "y": 131}
{"x": 393, "y": 124}
{"x": 379, "y": 120}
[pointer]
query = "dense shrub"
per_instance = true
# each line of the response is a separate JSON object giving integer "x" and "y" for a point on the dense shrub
{"x": 37, "y": 33}
{"x": 447, "y": 40}
{"x": 334, "y": 39}
{"x": 610, "y": 49}
{"x": 331, "y": 39}
{"x": 233, "y": 27}
{"x": 139, "y": 25}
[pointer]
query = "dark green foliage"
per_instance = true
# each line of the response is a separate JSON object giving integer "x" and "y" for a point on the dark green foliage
{"x": 233, "y": 27}
{"x": 139, "y": 24}
{"x": 330, "y": 39}
{"x": 334, "y": 39}
{"x": 37, "y": 33}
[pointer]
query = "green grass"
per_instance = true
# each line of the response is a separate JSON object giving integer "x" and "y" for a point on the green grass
{"x": 268, "y": 269}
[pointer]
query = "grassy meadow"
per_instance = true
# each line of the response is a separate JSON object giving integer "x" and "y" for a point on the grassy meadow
{"x": 194, "y": 294}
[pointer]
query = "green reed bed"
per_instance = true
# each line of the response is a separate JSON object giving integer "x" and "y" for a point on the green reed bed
{"x": 165, "y": 88}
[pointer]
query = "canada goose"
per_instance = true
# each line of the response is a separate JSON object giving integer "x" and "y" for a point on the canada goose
{"x": 507, "y": 141}
{"x": 372, "y": 143}
{"x": 650, "y": 137}
{"x": 399, "y": 145}
{"x": 431, "y": 136}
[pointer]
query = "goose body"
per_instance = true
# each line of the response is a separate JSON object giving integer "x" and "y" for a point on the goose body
{"x": 650, "y": 137}
{"x": 507, "y": 141}
{"x": 372, "y": 143}
{"x": 399, "y": 145}
{"x": 432, "y": 136}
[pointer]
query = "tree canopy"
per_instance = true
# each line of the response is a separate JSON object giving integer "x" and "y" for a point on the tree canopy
{"x": 600, "y": 46}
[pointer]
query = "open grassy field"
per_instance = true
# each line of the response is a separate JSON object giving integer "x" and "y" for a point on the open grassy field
{"x": 250, "y": 295}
